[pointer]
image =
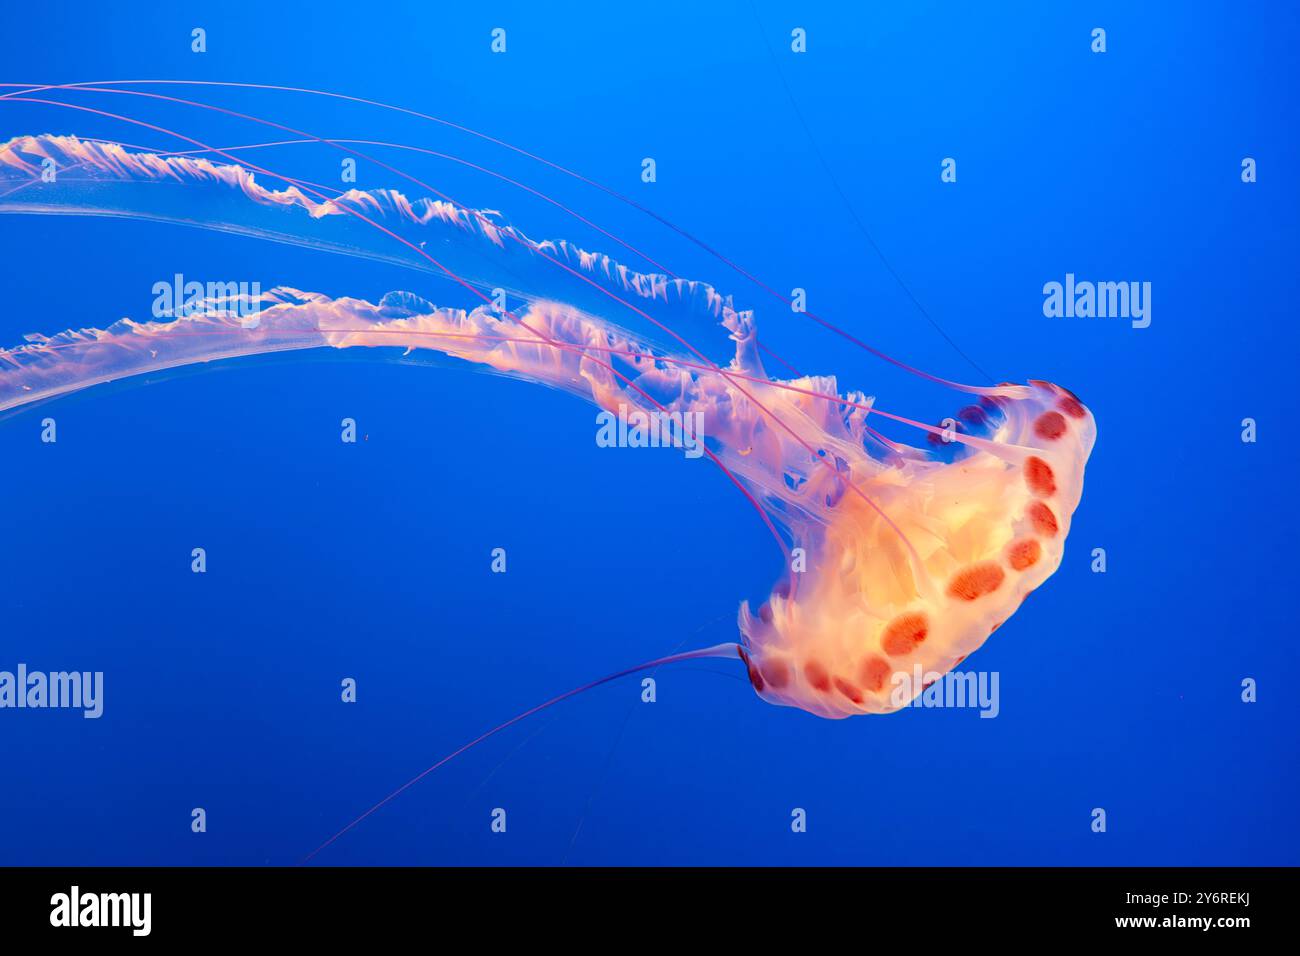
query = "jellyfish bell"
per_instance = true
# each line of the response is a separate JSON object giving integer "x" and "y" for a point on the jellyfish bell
{"x": 846, "y": 635}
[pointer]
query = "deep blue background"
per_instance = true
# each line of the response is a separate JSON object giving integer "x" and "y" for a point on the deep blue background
{"x": 371, "y": 561}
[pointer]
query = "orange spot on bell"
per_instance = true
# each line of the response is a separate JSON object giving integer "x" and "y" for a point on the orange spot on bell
{"x": 904, "y": 633}
{"x": 976, "y": 581}
{"x": 754, "y": 677}
{"x": 1072, "y": 407}
{"x": 875, "y": 671}
{"x": 848, "y": 690}
{"x": 1024, "y": 553}
{"x": 817, "y": 676}
{"x": 1050, "y": 426}
{"x": 1039, "y": 477}
{"x": 1041, "y": 517}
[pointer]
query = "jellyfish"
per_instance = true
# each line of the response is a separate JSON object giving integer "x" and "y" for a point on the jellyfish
{"x": 900, "y": 559}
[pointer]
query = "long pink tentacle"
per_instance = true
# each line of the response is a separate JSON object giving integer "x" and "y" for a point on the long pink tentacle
{"x": 718, "y": 650}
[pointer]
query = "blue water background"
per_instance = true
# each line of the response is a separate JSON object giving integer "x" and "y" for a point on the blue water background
{"x": 371, "y": 561}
